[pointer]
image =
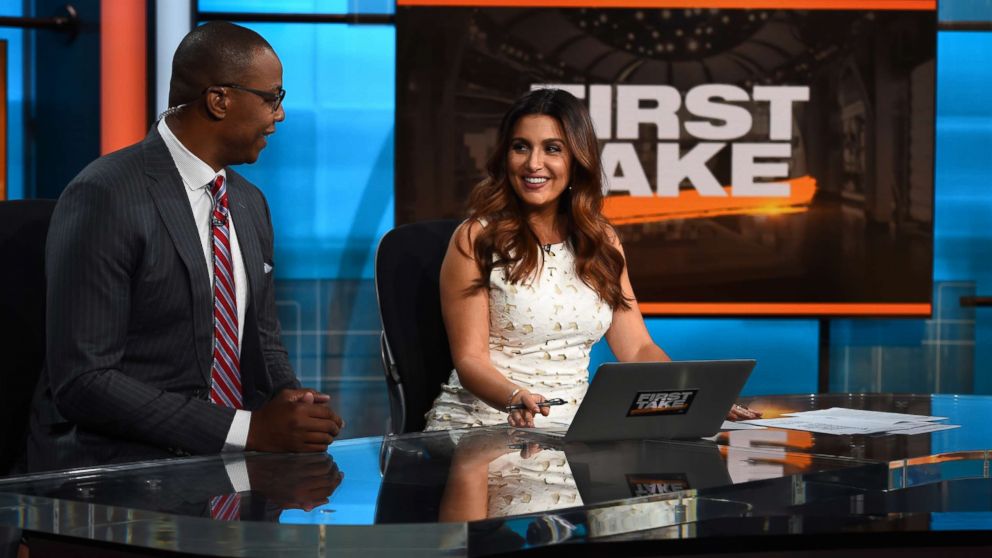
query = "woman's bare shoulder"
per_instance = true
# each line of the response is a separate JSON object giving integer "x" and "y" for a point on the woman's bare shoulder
{"x": 464, "y": 237}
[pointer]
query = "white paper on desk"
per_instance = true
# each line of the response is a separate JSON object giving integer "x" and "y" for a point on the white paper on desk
{"x": 925, "y": 428}
{"x": 856, "y": 422}
{"x": 732, "y": 425}
{"x": 867, "y": 415}
{"x": 824, "y": 426}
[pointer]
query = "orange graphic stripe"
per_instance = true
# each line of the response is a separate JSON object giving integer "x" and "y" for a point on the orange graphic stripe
{"x": 628, "y": 210}
{"x": 123, "y": 75}
{"x": 921, "y": 5}
{"x": 786, "y": 308}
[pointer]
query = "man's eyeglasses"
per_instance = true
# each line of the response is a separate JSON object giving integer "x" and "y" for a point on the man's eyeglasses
{"x": 273, "y": 98}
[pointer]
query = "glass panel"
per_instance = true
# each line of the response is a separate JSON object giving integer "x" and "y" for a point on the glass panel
{"x": 908, "y": 356}
{"x": 964, "y": 10}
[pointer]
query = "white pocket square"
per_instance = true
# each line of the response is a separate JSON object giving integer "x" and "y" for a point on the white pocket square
{"x": 267, "y": 268}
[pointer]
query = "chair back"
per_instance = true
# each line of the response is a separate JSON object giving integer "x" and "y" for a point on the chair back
{"x": 415, "y": 352}
{"x": 23, "y": 231}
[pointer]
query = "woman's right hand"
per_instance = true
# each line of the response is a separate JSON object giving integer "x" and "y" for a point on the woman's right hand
{"x": 524, "y": 418}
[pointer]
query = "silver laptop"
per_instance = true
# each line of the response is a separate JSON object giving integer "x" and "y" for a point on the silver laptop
{"x": 658, "y": 400}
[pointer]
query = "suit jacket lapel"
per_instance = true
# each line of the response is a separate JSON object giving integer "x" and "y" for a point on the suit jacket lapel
{"x": 251, "y": 251}
{"x": 170, "y": 198}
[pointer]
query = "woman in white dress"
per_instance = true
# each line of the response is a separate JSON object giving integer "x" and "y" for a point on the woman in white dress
{"x": 535, "y": 276}
{"x": 531, "y": 280}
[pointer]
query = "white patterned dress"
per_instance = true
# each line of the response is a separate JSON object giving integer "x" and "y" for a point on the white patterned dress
{"x": 540, "y": 335}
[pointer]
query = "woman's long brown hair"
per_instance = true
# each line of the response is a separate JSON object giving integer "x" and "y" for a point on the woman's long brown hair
{"x": 507, "y": 241}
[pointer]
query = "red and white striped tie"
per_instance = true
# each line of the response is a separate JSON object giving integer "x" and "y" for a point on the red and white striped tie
{"x": 226, "y": 507}
{"x": 225, "y": 385}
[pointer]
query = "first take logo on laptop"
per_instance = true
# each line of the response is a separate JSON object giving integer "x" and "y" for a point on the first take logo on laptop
{"x": 654, "y": 403}
{"x": 658, "y": 483}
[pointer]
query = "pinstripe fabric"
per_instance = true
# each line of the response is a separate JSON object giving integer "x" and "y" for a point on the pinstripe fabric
{"x": 225, "y": 377}
{"x": 130, "y": 312}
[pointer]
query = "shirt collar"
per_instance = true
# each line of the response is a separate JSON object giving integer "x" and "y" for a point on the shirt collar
{"x": 195, "y": 173}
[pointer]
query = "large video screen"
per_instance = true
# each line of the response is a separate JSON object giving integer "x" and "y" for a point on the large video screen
{"x": 766, "y": 160}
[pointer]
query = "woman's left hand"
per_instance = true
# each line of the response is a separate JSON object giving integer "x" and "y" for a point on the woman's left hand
{"x": 740, "y": 412}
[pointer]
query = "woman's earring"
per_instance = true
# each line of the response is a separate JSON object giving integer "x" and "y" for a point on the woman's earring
{"x": 569, "y": 187}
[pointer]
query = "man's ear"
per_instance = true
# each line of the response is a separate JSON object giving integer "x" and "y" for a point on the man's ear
{"x": 216, "y": 100}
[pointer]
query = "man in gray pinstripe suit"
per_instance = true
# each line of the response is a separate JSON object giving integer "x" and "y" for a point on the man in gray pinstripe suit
{"x": 130, "y": 319}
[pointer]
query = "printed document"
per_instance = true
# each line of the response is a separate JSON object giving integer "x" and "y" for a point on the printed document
{"x": 868, "y": 415}
{"x": 838, "y": 420}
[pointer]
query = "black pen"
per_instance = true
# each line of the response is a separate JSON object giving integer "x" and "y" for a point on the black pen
{"x": 545, "y": 403}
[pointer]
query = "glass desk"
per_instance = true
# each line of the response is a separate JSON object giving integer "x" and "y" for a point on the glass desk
{"x": 492, "y": 491}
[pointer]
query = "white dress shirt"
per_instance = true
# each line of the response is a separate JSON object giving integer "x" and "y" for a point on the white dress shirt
{"x": 197, "y": 176}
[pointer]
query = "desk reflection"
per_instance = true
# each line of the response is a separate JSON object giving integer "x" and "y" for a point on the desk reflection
{"x": 247, "y": 487}
{"x": 625, "y": 486}
{"x": 502, "y": 473}
{"x": 469, "y": 475}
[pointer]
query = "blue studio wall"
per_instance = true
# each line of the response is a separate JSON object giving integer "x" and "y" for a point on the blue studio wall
{"x": 963, "y": 237}
{"x": 328, "y": 175}
{"x": 328, "y": 170}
